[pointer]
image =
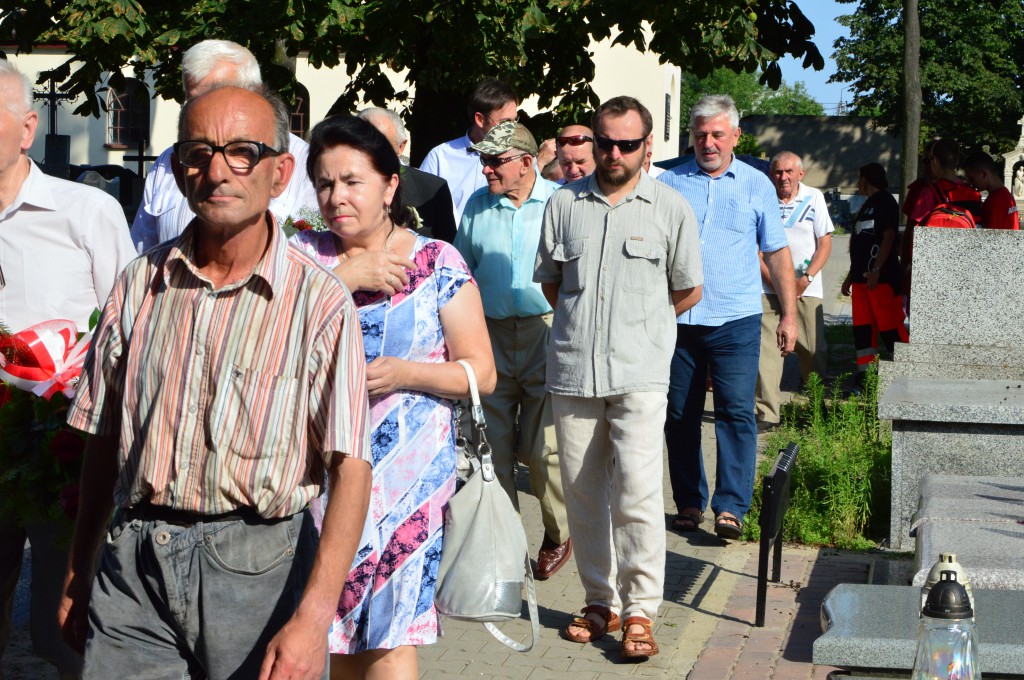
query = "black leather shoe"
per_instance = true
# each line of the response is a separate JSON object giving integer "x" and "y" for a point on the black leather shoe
{"x": 551, "y": 558}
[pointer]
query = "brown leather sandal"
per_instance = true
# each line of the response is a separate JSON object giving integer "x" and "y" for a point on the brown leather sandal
{"x": 609, "y": 623}
{"x": 644, "y": 637}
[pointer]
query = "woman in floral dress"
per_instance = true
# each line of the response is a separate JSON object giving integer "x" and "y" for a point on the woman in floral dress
{"x": 420, "y": 310}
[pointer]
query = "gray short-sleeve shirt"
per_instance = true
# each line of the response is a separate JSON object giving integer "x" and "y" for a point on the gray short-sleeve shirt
{"x": 614, "y": 328}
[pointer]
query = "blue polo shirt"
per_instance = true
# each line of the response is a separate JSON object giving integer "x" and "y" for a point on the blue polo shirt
{"x": 737, "y": 214}
{"x": 499, "y": 243}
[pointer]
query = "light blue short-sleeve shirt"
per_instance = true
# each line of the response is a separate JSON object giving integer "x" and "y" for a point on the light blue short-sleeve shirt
{"x": 737, "y": 215}
{"x": 499, "y": 243}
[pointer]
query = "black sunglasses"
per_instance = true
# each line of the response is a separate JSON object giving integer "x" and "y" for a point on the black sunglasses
{"x": 625, "y": 145}
{"x": 493, "y": 162}
{"x": 574, "y": 140}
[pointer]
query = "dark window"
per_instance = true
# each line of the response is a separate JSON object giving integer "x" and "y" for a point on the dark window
{"x": 300, "y": 112}
{"x": 128, "y": 115}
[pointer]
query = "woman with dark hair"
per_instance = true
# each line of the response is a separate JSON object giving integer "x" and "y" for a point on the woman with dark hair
{"x": 418, "y": 316}
{"x": 875, "y": 279}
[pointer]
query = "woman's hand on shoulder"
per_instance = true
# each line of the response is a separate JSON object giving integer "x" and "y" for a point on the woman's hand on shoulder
{"x": 376, "y": 272}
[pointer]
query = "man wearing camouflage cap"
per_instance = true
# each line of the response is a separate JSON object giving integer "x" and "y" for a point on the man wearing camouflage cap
{"x": 498, "y": 238}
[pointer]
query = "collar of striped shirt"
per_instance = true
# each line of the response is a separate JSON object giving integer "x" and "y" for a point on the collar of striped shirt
{"x": 182, "y": 254}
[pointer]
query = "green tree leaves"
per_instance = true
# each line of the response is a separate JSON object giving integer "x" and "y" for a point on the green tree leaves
{"x": 972, "y": 67}
{"x": 541, "y": 47}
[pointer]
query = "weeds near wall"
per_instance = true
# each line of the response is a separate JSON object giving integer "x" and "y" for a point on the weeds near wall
{"x": 840, "y": 484}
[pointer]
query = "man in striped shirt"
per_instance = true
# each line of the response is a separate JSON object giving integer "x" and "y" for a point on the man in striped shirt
{"x": 225, "y": 381}
{"x": 738, "y": 214}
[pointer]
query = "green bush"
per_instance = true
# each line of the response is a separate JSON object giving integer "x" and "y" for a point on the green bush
{"x": 840, "y": 483}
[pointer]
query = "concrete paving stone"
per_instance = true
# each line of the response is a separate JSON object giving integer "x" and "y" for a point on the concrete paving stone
{"x": 480, "y": 668}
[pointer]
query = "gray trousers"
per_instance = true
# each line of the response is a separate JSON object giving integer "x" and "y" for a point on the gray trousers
{"x": 174, "y": 602}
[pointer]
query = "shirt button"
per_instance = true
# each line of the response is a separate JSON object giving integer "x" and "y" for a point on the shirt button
{"x": 184, "y": 467}
{"x": 192, "y": 409}
{"x": 200, "y": 351}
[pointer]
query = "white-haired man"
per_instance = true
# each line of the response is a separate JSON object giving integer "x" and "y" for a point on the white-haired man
{"x": 738, "y": 214}
{"x": 425, "y": 192}
{"x": 61, "y": 247}
{"x": 164, "y": 213}
{"x": 809, "y": 230}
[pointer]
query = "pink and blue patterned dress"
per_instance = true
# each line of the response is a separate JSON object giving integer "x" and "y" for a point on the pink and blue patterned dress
{"x": 388, "y": 598}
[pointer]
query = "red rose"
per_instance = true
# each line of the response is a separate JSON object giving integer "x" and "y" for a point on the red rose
{"x": 67, "y": 446}
{"x": 302, "y": 225}
{"x": 69, "y": 500}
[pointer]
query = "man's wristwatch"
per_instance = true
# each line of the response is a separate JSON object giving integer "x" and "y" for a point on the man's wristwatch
{"x": 810, "y": 277}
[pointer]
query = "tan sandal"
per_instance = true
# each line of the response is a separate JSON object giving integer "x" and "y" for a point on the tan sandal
{"x": 609, "y": 623}
{"x": 644, "y": 637}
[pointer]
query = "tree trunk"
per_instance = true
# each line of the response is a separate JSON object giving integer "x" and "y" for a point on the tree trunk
{"x": 911, "y": 93}
{"x": 436, "y": 118}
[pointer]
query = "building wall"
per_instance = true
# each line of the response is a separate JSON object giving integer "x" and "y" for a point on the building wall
{"x": 832, "y": 147}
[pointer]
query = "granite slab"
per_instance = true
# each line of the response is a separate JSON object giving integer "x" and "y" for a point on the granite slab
{"x": 967, "y": 287}
{"x": 991, "y": 552}
{"x": 999, "y": 402}
{"x": 970, "y": 499}
{"x": 875, "y": 627}
{"x": 960, "y": 449}
{"x": 991, "y": 354}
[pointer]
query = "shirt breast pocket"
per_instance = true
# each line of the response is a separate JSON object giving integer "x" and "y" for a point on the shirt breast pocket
{"x": 644, "y": 267}
{"x": 254, "y": 414}
{"x": 570, "y": 255}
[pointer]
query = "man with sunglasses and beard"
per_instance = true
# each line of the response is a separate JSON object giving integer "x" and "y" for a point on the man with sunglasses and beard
{"x": 738, "y": 212}
{"x": 619, "y": 258}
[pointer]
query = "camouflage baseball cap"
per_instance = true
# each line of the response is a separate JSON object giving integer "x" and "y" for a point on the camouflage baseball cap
{"x": 506, "y": 135}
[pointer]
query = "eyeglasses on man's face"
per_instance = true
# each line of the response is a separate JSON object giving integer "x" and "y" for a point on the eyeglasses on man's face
{"x": 493, "y": 162}
{"x": 241, "y": 155}
{"x": 625, "y": 145}
{"x": 573, "y": 140}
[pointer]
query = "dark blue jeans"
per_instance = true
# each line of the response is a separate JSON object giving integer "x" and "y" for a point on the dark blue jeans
{"x": 731, "y": 352}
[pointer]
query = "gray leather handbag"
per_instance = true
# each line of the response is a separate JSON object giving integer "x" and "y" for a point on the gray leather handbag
{"x": 485, "y": 559}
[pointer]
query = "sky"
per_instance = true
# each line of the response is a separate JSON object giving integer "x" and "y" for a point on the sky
{"x": 822, "y": 14}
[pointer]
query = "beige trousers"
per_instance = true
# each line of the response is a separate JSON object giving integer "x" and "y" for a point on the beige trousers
{"x": 611, "y": 449}
{"x": 810, "y": 348}
{"x": 519, "y": 412}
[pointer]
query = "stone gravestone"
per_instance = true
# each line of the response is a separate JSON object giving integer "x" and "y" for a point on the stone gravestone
{"x": 954, "y": 393}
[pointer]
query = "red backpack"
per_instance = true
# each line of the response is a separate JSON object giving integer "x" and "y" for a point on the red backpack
{"x": 959, "y": 206}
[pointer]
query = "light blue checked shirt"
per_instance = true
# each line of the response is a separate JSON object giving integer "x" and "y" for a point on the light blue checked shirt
{"x": 737, "y": 214}
{"x": 499, "y": 243}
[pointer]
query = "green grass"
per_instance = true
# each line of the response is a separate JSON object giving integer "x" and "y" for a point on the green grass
{"x": 840, "y": 483}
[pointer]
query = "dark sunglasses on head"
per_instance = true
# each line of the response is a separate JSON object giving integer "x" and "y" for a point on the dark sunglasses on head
{"x": 625, "y": 145}
{"x": 493, "y": 162}
{"x": 574, "y": 140}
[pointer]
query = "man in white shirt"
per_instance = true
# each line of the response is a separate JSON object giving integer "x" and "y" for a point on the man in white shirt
{"x": 62, "y": 245}
{"x": 492, "y": 102}
{"x": 809, "y": 229}
{"x": 164, "y": 212}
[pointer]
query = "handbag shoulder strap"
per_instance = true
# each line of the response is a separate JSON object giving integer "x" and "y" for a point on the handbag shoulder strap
{"x": 476, "y": 411}
{"x": 531, "y": 604}
{"x": 476, "y": 408}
